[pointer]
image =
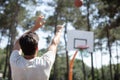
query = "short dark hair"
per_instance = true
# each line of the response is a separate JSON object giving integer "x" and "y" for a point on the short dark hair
{"x": 29, "y": 43}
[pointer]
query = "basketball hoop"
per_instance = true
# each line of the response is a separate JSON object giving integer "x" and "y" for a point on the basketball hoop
{"x": 80, "y": 39}
{"x": 82, "y": 47}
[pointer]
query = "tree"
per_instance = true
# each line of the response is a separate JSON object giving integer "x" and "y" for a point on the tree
{"x": 11, "y": 14}
{"x": 107, "y": 11}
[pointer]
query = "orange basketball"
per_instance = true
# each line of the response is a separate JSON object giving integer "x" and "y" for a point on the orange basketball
{"x": 78, "y": 3}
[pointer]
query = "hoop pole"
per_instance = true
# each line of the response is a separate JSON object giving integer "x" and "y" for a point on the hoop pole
{"x": 71, "y": 66}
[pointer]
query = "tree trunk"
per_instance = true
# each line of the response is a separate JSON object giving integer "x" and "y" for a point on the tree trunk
{"x": 13, "y": 32}
{"x": 110, "y": 54}
{"x": 55, "y": 64}
{"x": 102, "y": 70}
{"x": 117, "y": 56}
{"x": 67, "y": 57}
{"x": 88, "y": 29}
{"x": 56, "y": 14}
{"x": 6, "y": 59}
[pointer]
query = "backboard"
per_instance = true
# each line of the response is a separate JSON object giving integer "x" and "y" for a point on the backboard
{"x": 80, "y": 38}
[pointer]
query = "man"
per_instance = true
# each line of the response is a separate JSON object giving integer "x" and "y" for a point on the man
{"x": 29, "y": 66}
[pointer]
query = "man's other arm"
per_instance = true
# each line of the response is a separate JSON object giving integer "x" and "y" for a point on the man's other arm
{"x": 56, "y": 40}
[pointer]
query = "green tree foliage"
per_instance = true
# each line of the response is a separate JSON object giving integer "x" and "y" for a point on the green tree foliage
{"x": 108, "y": 13}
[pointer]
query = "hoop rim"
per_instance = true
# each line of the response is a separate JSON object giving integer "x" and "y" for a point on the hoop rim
{"x": 82, "y": 47}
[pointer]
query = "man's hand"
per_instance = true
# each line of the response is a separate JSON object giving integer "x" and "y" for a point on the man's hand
{"x": 59, "y": 28}
{"x": 38, "y": 23}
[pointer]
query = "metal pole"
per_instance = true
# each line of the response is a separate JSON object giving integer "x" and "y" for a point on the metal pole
{"x": 83, "y": 65}
{"x": 92, "y": 70}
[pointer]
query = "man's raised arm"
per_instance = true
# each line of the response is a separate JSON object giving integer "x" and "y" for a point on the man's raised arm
{"x": 56, "y": 39}
{"x": 38, "y": 24}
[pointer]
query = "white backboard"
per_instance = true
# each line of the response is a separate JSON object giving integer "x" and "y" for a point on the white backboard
{"x": 80, "y": 38}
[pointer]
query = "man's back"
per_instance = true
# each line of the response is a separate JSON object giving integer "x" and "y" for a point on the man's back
{"x": 31, "y": 67}
{"x": 37, "y": 68}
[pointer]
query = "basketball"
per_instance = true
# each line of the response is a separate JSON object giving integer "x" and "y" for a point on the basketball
{"x": 78, "y": 3}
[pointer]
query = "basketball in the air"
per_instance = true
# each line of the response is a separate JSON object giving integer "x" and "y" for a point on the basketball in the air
{"x": 78, "y": 3}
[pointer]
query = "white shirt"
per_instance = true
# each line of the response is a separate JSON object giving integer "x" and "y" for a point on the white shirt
{"x": 37, "y": 68}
